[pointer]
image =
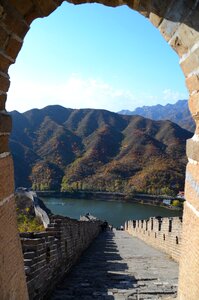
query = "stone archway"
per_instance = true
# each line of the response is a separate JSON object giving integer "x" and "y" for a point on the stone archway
{"x": 178, "y": 22}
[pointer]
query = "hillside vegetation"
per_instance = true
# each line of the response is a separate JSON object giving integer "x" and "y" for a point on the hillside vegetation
{"x": 56, "y": 148}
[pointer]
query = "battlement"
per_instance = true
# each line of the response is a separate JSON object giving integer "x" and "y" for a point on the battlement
{"x": 161, "y": 233}
{"x": 50, "y": 254}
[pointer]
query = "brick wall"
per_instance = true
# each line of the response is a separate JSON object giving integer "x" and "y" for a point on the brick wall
{"x": 178, "y": 22}
{"x": 164, "y": 234}
{"x": 49, "y": 255}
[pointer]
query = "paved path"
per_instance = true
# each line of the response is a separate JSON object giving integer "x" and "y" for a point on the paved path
{"x": 118, "y": 266}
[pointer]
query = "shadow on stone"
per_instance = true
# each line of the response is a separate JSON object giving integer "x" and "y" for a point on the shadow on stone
{"x": 98, "y": 275}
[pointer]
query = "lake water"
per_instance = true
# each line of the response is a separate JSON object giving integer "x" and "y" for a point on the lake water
{"x": 114, "y": 212}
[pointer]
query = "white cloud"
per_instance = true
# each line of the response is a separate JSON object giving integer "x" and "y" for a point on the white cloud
{"x": 173, "y": 96}
{"x": 75, "y": 92}
{"x": 79, "y": 92}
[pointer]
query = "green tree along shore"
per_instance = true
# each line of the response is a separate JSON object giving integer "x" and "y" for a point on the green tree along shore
{"x": 96, "y": 150}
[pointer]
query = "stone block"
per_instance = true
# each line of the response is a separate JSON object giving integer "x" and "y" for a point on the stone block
{"x": 5, "y": 62}
{"x": 191, "y": 63}
{"x": 12, "y": 275}
{"x": 4, "y": 83}
{"x": 192, "y": 83}
{"x": 192, "y": 185}
{"x": 192, "y": 149}
{"x": 14, "y": 23}
{"x": 155, "y": 19}
{"x": 32, "y": 15}
{"x": 13, "y": 47}
{"x": 4, "y": 143}
{"x": 189, "y": 263}
{"x": 4, "y": 36}
{"x": 5, "y": 123}
{"x": 22, "y": 6}
{"x": 187, "y": 38}
{"x": 3, "y": 98}
{"x": 47, "y": 6}
{"x": 168, "y": 28}
{"x": 194, "y": 109}
{"x": 6, "y": 177}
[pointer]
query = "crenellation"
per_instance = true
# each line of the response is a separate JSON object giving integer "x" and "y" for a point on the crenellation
{"x": 49, "y": 255}
{"x": 158, "y": 233}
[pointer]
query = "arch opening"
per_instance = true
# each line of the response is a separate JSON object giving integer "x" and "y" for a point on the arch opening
{"x": 177, "y": 22}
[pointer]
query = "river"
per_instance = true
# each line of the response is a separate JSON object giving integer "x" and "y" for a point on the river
{"x": 115, "y": 212}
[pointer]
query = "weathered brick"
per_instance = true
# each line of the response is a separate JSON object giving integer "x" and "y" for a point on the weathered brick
{"x": 192, "y": 149}
{"x": 191, "y": 63}
{"x": 159, "y": 235}
{"x": 3, "y": 98}
{"x": 12, "y": 276}
{"x": 13, "y": 21}
{"x": 5, "y": 122}
{"x": 46, "y": 6}
{"x": 4, "y": 36}
{"x": 192, "y": 184}
{"x": 167, "y": 28}
{"x": 192, "y": 83}
{"x": 6, "y": 177}
{"x": 13, "y": 48}
{"x": 23, "y": 6}
{"x": 155, "y": 19}
{"x": 194, "y": 109}
{"x": 189, "y": 263}
{"x": 4, "y": 143}
{"x": 32, "y": 15}
{"x": 187, "y": 38}
{"x": 4, "y": 63}
{"x": 4, "y": 83}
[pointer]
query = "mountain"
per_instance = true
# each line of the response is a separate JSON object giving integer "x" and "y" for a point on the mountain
{"x": 60, "y": 148}
{"x": 178, "y": 113}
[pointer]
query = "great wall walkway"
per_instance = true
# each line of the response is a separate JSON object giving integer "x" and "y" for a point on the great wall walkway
{"x": 117, "y": 266}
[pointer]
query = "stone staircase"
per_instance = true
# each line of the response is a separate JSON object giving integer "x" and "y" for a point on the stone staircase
{"x": 117, "y": 266}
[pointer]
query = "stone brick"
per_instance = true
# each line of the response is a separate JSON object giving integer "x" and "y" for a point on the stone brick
{"x": 4, "y": 36}
{"x": 188, "y": 36}
{"x": 13, "y": 21}
{"x": 155, "y": 19}
{"x": 194, "y": 108}
{"x": 191, "y": 63}
{"x": 46, "y": 6}
{"x": 168, "y": 28}
{"x": 184, "y": 39}
{"x": 12, "y": 276}
{"x": 189, "y": 263}
{"x": 51, "y": 259}
{"x": 160, "y": 236}
{"x": 6, "y": 177}
{"x": 192, "y": 184}
{"x": 4, "y": 83}
{"x": 192, "y": 83}
{"x": 192, "y": 149}
{"x": 5, "y": 123}
{"x": 3, "y": 98}
{"x": 23, "y": 6}
{"x": 4, "y": 143}
{"x": 178, "y": 10}
{"x": 4, "y": 63}
{"x": 192, "y": 19}
{"x": 13, "y": 48}
{"x": 32, "y": 15}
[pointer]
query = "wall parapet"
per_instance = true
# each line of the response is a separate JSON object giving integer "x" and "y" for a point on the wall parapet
{"x": 161, "y": 233}
{"x": 49, "y": 255}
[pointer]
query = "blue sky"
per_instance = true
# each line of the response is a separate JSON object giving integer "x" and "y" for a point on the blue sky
{"x": 94, "y": 56}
